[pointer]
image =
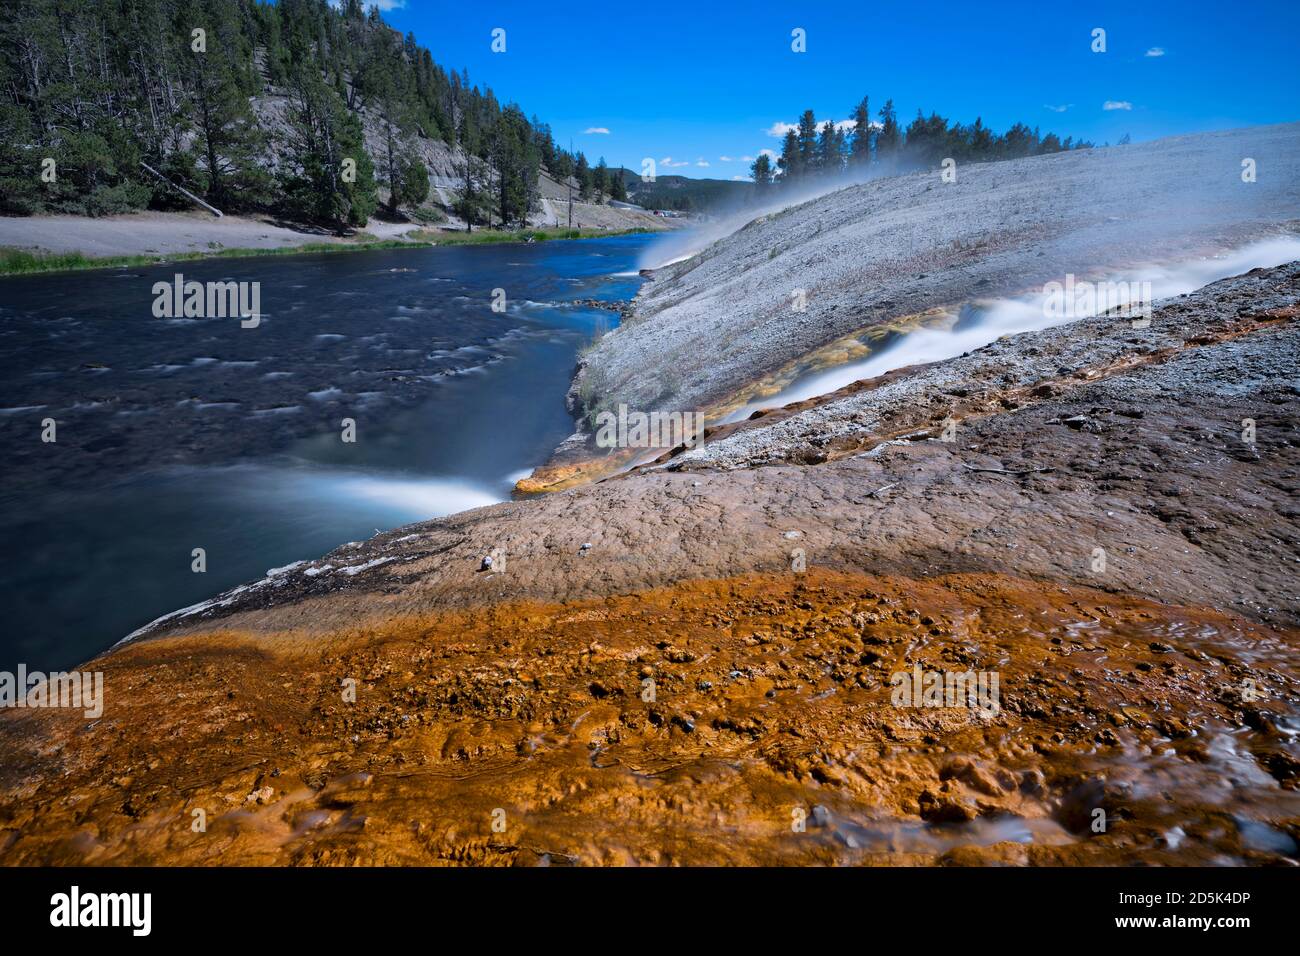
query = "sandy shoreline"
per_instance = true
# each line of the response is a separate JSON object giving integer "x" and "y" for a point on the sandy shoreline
{"x": 159, "y": 233}
{"x": 163, "y": 234}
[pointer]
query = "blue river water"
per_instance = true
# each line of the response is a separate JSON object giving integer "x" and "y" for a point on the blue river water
{"x": 177, "y": 434}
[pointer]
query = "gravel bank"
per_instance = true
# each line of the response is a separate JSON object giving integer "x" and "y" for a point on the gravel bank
{"x": 163, "y": 233}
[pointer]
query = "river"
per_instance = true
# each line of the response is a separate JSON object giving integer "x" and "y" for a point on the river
{"x": 172, "y": 435}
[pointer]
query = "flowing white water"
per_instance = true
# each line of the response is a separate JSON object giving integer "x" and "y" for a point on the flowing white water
{"x": 410, "y": 499}
{"x": 1026, "y": 314}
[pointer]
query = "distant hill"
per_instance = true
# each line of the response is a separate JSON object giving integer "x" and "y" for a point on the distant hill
{"x": 681, "y": 192}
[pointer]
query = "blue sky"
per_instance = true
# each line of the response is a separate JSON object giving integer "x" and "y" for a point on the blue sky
{"x": 704, "y": 82}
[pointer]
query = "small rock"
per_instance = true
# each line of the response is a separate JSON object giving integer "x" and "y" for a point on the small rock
{"x": 944, "y": 809}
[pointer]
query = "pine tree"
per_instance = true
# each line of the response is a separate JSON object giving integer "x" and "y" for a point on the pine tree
{"x": 219, "y": 84}
{"x": 331, "y": 177}
{"x": 761, "y": 170}
{"x": 889, "y": 139}
{"x": 470, "y": 201}
{"x": 582, "y": 173}
{"x": 860, "y": 149}
{"x": 808, "y": 142}
{"x": 413, "y": 184}
{"x": 791, "y": 162}
{"x": 830, "y": 144}
{"x": 618, "y": 185}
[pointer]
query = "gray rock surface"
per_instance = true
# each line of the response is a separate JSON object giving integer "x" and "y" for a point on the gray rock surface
{"x": 894, "y": 247}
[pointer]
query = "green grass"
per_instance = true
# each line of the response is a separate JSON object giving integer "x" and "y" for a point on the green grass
{"x": 24, "y": 262}
{"x": 461, "y": 238}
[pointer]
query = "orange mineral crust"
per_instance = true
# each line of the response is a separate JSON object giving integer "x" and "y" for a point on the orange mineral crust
{"x": 753, "y": 720}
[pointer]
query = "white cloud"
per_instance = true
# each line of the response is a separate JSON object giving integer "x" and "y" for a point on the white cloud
{"x": 741, "y": 179}
{"x": 1156, "y": 51}
{"x": 779, "y": 129}
{"x": 702, "y": 162}
{"x": 770, "y": 154}
{"x": 668, "y": 161}
{"x": 750, "y": 159}
{"x": 1057, "y": 109}
{"x": 1117, "y": 105}
{"x": 603, "y": 131}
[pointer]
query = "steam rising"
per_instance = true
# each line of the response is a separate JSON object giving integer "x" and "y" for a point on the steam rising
{"x": 728, "y": 217}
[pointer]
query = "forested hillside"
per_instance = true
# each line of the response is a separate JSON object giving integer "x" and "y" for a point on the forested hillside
{"x": 253, "y": 106}
{"x": 682, "y": 193}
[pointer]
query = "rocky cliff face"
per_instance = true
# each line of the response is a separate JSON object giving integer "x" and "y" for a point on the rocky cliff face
{"x": 445, "y": 164}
